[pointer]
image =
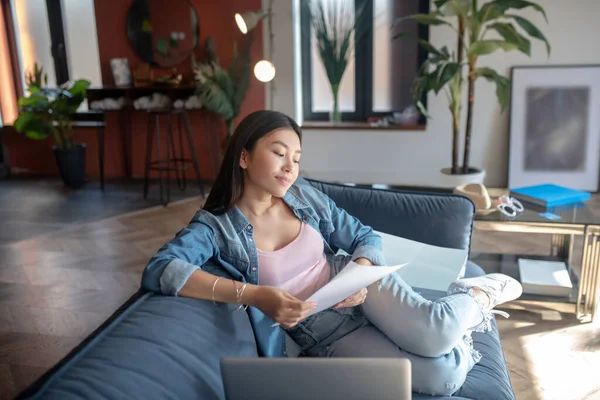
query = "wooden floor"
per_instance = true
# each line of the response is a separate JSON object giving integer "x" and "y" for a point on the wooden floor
{"x": 45, "y": 205}
{"x": 56, "y": 289}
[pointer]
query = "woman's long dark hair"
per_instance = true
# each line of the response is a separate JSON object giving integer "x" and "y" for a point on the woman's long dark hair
{"x": 229, "y": 185}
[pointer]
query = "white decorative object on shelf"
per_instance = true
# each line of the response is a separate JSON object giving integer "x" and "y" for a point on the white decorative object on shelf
{"x": 108, "y": 104}
{"x": 192, "y": 103}
{"x": 155, "y": 101}
{"x": 120, "y": 71}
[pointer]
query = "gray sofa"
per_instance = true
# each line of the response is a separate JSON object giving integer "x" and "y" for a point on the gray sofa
{"x": 158, "y": 347}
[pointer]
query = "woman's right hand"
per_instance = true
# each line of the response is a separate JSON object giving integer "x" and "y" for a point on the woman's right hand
{"x": 280, "y": 305}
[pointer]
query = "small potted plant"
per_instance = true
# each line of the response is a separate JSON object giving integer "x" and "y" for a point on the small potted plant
{"x": 479, "y": 31}
{"x": 47, "y": 112}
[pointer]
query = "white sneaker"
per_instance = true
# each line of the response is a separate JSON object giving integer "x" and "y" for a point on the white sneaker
{"x": 500, "y": 289}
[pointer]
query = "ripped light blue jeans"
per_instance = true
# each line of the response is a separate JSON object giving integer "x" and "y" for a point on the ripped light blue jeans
{"x": 395, "y": 321}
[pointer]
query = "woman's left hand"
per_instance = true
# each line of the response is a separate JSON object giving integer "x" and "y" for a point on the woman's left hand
{"x": 355, "y": 300}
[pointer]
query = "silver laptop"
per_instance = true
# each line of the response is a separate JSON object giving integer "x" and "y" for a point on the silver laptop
{"x": 316, "y": 378}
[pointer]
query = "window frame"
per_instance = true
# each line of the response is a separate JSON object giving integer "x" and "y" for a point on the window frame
{"x": 57, "y": 39}
{"x": 13, "y": 50}
{"x": 363, "y": 66}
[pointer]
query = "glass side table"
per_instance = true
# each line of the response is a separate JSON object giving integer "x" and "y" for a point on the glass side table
{"x": 579, "y": 220}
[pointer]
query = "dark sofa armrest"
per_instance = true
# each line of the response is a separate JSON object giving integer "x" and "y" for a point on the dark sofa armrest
{"x": 438, "y": 219}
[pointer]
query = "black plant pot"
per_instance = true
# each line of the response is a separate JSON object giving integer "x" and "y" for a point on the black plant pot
{"x": 71, "y": 165}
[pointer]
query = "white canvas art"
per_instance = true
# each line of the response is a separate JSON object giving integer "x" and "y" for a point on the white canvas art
{"x": 555, "y": 127}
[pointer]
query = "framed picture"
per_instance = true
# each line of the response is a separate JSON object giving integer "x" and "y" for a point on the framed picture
{"x": 120, "y": 71}
{"x": 555, "y": 126}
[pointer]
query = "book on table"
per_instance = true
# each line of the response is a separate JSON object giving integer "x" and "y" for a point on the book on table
{"x": 549, "y": 195}
{"x": 543, "y": 277}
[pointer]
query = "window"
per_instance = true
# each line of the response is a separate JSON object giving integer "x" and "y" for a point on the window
{"x": 83, "y": 57}
{"x": 379, "y": 79}
{"x": 33, "y": 36}
{"x": 59, "y": 35}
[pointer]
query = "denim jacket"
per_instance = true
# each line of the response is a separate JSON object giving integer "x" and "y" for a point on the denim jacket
{"x": 223, "y": 245}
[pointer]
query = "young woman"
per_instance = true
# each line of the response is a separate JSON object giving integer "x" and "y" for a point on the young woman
{"x": 267, "y": 243}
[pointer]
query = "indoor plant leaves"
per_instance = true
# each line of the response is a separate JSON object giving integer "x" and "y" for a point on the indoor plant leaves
{"x": 451, "y": 73}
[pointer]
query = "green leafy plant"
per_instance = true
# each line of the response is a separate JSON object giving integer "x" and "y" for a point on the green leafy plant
{"x": 164, "y": 47}
{"x": 48, "y": 111}
{"x": 337, "y": 29}
{"x": 223, "y": 90}
{"x": 449, "y": 71}
{"x": 37, "y": 77}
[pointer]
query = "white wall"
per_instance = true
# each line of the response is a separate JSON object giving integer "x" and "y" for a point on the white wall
{"x": 283, "y": 55}
{"x": 415, "y": 157}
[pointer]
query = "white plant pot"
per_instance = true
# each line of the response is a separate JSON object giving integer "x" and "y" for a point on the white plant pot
{"x": 447, "y": 180}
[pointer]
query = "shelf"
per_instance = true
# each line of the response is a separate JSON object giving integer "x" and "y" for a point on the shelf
{"x": 359, "y": 126}
{"x": 508, "y": 264}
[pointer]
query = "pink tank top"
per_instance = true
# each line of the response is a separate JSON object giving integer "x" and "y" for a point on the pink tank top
{"x": 300, "y": 268}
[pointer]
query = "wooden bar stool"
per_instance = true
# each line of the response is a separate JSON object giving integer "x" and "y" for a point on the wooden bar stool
{"x": 172, "y": 160}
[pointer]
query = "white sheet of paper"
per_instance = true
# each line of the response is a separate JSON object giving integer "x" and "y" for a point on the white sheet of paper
{"x": 350, "y": 280}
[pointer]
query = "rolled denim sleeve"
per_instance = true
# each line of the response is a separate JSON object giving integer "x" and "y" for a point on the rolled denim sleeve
{"x": 175, "y": 275}
{"x": 170, "y": 268}
{"x": 354, "y": 237}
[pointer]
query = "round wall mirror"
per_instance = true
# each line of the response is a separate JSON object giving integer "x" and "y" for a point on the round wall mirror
{"x": 163, "y": 33}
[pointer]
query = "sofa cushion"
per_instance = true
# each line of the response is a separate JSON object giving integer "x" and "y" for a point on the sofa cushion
{"x": 160, "y": 348}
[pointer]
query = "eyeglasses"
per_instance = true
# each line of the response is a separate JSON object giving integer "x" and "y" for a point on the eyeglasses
{"x": 509, "y": 206}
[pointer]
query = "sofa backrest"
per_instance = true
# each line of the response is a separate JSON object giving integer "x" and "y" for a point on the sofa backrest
{"x": 437, "y": 219}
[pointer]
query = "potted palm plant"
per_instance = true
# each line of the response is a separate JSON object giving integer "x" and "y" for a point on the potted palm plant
{"x": 223, "y": 90}
{"x": 336, "y": 28}
{"x": 452, "y": 71}
{"x": 48, "y": 112}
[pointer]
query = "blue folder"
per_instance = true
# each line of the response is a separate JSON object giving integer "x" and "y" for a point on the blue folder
{"x": 549, "y": 195}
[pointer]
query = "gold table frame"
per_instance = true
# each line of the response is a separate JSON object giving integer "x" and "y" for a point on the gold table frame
{"x": 562, "y": 246}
